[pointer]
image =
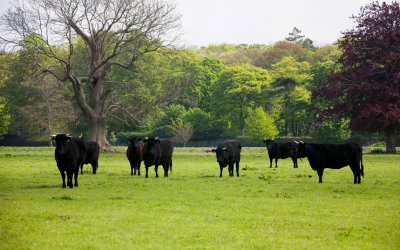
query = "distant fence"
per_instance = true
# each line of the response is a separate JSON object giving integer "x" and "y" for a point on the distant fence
{"x": 14, "y": 141}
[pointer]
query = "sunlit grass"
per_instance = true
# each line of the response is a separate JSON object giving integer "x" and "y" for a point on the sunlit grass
{"x": 264, "y": 208}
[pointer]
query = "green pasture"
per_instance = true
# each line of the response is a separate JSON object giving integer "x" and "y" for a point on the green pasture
{"x": 264, "y": 208}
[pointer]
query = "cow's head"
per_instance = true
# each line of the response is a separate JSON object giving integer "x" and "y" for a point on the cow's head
{"x": 134, "y": 141}
{"x": 61, "y": 141}
{"x": 150, "y": 144}
{"x": 268, "y": 143}
{"x": 220, "y": 153}
{"x": 301, "y": 149}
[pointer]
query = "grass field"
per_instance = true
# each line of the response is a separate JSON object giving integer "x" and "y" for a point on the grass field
{"x": 264, "y": 208}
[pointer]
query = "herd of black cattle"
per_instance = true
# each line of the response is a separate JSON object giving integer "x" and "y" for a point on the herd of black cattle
{"x": 73, "y": 152}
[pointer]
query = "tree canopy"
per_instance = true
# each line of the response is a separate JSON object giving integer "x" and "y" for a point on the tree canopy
{"x": 367, "y": 88}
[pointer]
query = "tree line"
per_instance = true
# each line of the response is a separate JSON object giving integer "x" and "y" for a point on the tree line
{"x": 124, "y": 75}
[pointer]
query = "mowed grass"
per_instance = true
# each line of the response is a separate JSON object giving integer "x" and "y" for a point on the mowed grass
{"x": 264, "y": 208}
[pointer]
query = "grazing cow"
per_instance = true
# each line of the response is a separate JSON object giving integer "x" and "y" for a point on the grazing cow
{"x": 134, "y": 154}
{"x": 228, "y": 153}
{"x": 333, "y": 156}
{"x": 158, "y": 152}
{"x": 70, "y": 153}
{"x": 281, "y": 150}
{"x": 92, "y": 155}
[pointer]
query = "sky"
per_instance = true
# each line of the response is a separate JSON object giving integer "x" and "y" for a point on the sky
{"x": 208, "y": 22}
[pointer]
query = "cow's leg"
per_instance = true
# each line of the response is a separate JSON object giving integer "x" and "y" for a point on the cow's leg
{"x": 156, "y": 168}
{"x": 76, "y": 173}
{"x": 276, "y": 162}
{"x": 147, "y": 171}
{"x": 170, "y": 166}
{"x": 82, "y": 168}
{"x": 221, "y": 168}
{"x": 320, "y": 173}
{"x": 357, "y": 173}
{"x": 294, "y": 159}
{"x": 270, "y": 162}
{"x": 63, "y": 178}
{"x": 70, "y": 174}
{"x": 95, "y": 165}
{"x": 132, "y": 167}
{"x": 166, "y": 166}
{"x": 230, "y": 166}
{"x": 237, "y": 168}
{"x": 138, "y": 167}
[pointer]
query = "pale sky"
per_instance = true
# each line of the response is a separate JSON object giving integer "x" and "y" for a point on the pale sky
{"x": 208, "y": 22}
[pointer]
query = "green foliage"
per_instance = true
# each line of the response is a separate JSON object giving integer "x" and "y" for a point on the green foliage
{"x": 238, "y": 90}
{"x": 198, "y": 118}
{"x": 331, "y": 131}
{"x": 4, "y": 118}
{"x": 378, "y": 144}
{"x": 259, "y": 125}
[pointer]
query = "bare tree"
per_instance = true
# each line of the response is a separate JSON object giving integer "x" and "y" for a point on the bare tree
{"x": 46, "y": 111}
{"x": 182, "y": 132}
{"x": 117, "y": 35}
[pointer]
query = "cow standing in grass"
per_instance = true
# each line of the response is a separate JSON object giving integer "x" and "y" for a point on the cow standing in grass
{"x": 134, "y": 154}
{"x": 228, "y": 153}
{"x": 70, "y": 154}
{"x": 335, "y": 156}
{"x": 281, "y": 150}
{"x": 158, "y": 152}
{"x": 92, "y": 155}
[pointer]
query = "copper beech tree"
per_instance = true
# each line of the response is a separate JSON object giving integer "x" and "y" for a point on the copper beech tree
{"x": 367, "y": 90}
{"x": 117, "y": 34}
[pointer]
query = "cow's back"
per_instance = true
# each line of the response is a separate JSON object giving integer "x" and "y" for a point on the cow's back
{"x": 334, "y": 155}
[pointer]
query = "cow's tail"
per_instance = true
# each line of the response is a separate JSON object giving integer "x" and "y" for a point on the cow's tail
{"x": 362, "y": 167}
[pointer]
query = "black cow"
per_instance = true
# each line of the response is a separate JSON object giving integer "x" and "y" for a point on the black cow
{"x": 333, "y": 156}
{"x": 281, "y": 150}
{"x": 134, "y": 154}
{"x": 228, "y": 153}
{"x": 92, "y": 155}
{"x": 70, "y": 153}
{"x": 158, "y": 152}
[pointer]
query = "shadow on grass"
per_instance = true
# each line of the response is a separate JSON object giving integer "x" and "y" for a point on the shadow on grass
{"x": 206, "y": 176}
{"x": 43, "y": 186}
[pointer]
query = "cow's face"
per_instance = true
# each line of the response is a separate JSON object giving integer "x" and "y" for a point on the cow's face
{"x": 220, "y": 153}
{"x": 61, "y": 141}
{"x": 151, "y": 144}
{"x": 134, "y": 141}
{"x": 301, "y": 150}
{"x": 268, "y": 143}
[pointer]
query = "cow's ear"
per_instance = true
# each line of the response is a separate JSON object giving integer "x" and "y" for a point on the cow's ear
{"x": 214, "y": 150}
{"x": 145, "y": 141}
{"x": 128, "y": 140}
{"x": 140, "y": 139}
{"x": 157, "y": 141}
{"x": 272, "y": 141}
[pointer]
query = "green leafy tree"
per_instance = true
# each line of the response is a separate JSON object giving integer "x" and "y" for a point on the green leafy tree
{"x": 288, "y": 75}
{"x": 259, "y": 125}
{"x": 236, "y": 92}
{"x": 331, "y": 131}
{"x": 4, "y": 118}
{"x": 198, "y": 118}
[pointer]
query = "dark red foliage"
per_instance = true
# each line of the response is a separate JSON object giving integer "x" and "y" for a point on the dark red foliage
{"x": 367, "y": 90}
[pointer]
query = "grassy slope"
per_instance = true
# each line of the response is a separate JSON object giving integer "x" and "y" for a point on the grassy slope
{"x": 194, "y": 208}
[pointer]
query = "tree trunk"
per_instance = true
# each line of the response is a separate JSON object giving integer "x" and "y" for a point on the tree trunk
{"x": 97, "y": 133}
{"x": 390, "y": 139}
